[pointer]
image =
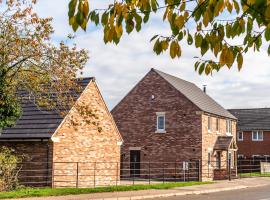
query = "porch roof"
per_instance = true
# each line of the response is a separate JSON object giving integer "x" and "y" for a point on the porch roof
{"x": 225, "y": 143}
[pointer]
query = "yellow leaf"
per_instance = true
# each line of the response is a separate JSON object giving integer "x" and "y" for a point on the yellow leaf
{"x": 205, "y": 18}
{"x": 239, "y": 61}
{"x": 179, "y": 21}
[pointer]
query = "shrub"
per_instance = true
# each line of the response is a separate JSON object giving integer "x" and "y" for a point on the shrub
{"x": 9, "y": 169}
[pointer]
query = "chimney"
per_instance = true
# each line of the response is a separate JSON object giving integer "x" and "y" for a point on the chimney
{"x": 204, "y": 88}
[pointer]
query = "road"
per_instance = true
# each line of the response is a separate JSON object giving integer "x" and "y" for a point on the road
{"x": 256, "y": 193}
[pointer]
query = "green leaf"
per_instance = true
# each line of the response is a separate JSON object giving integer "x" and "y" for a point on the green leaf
{"x": 146, "y": 17}
{"x": 153, "y": 38}
{"x": 204, "y": 47}
{"x": 104, "y": 18}
{"x": 268, "y": 51}
{"x": 198, "y": 40}
{"x": 201, "y": 69}
{"x": 180, "y": 36}
{"x": 154, "y": 5}
{"x": 72, "y": 7}
{"x": 138, "y": 20}
{"x": 190, "y": 39}
{"x": 157, "y": 47}
{"x": 267, "y": 34}
{"x": 196, "y": 65}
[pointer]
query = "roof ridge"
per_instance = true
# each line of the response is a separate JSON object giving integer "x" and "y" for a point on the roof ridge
{"x": 158, "y": 71}
{"x": 192, "y": 92}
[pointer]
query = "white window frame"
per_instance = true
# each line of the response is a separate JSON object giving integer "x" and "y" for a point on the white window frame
{"x": 218, "y": 125}
{"x": 229, "y": 127}
{"x": 238, "y": 138}
{"x": 161, "y": 114}
{"x": 257, "y": 137}
{"x": 240, "y": 156}
{"x": 258, "y": 156}
{"x": 209, "y": 124}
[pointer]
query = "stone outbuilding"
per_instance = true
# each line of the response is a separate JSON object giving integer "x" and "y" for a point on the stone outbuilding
{"x": 166, "y": 123}
{"x": 67, "y": 151}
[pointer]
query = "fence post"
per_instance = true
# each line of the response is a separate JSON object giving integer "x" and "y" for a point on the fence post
{"x": 149, "y": 173}
{"x": 230, "y": 171}
{"x": 199, "y": 171}
{"x": 53, "y": 175}
{"x": 117, "y": 174}
{"x": 163, "y": 173}
{"x": 94, "y": 174}
{"x": 77, "y": 176}
{"x": 175, "y": 171}
{"x": 133, "y": 172}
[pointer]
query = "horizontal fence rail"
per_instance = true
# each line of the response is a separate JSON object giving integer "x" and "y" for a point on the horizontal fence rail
{"x": 96, "y": 174}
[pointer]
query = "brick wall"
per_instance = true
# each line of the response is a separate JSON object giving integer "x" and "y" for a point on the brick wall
{"x": 208, "y": 142}
{"x": 100, "y": 151}
{"x": 247, "y": 147}
{"x": 36, "y": 166}
{"x": 136, "y": 118}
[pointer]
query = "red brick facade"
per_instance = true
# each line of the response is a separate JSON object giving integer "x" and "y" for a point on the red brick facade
{"x": 249, "y": 148}
{"x": 185, "y": 138}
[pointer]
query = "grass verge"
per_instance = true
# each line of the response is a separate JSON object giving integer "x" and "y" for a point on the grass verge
{"x": 43, "y": 192}
{"x": 257, "y": 174}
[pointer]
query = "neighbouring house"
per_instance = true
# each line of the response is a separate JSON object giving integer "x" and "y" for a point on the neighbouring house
{"x": 167, "y": 121}
{"x": 253, "y": 133}
{"x": 67, "y": 151}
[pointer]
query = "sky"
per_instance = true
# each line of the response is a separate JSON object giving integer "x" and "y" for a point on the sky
{"x": 118, "y": 68}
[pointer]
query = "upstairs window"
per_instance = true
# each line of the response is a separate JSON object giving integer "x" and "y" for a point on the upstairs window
{"x": 240, "y": 136}
{"x": 228, "y": 127}
{"x": 160, "y": 122}
{"x": 217, "y": 125}
{"x": 209, "y": 124}
{"x": 257, "y": 135}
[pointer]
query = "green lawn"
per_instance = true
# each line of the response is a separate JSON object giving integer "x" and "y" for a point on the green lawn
{"x": 254, "y": 174}
{"x": 42, "y": 192}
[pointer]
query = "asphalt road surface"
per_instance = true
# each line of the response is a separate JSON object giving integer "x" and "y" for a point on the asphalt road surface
{"x": 256, "y": 193}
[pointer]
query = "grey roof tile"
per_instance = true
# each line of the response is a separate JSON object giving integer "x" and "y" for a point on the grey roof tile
{"x": 252, "y": 119}
{"x": 38, "y": 122}
{"x": 196, "y": 95}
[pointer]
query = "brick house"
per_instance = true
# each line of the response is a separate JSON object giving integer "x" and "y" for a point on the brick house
{"x": 59, "y": 153}
{"x": 253, "y": 132}
{"x": 167, "y": 119}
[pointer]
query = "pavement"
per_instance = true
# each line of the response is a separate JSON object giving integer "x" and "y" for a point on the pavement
{"x": 220, "y": 186}
{"x": 254, "y": 193}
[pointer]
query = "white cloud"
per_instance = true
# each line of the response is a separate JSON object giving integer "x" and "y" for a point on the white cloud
{"x": 119, "y": 68}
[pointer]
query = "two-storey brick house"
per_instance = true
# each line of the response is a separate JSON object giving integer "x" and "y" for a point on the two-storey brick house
{"x": 67, "y": 151}
{"x": 253, "y": 132}
{"x": 167, "y": 119}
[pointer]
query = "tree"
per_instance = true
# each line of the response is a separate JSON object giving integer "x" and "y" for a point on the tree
{"x": 31, "y": 66}
{"x": 218, "y": 23}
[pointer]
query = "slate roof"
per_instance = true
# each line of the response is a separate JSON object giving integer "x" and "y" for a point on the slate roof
{"x": 196, "y": 95}
{"x": 252, "y": 119}
{"x": 38, "y": 123}
{"x": 223, "y": 143}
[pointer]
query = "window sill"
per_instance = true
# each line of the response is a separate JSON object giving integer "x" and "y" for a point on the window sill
{"x": 160, "y": 131}
{"x": 229, "y": 134}
{"x": 209, "y": 131}
{"x": 257, "y": 140}
{"x": 218, "y": 133}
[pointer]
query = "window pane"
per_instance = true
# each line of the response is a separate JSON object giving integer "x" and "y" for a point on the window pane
{"x": 161, "y": 122}
{"x": 209, "y": 123}
{"x": 217, "y": 124}
{"x": 260, "y": 135}
{"x": 254, "y": 135}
